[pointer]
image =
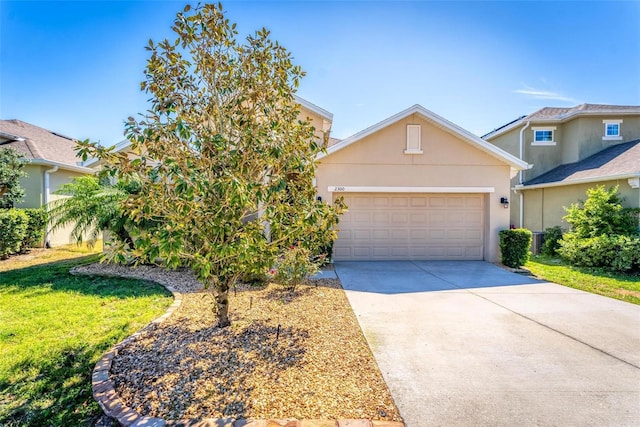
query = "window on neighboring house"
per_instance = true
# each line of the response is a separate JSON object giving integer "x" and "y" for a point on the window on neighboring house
{"x": 543, "y": 136}
{"x": 413, "y": 140}
{"x": 612, "y": 130}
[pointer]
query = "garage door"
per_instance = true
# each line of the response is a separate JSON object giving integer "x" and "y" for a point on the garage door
{"x": 411, "y": 227}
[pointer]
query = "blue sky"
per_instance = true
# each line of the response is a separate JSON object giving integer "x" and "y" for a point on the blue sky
{"x": 75, "y": 67}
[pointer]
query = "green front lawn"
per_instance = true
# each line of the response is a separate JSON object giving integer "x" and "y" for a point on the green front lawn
{"x": 53, "y": 329}
{"x": 614, "y": 285}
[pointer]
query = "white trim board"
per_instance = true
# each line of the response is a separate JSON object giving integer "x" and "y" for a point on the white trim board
{"x": 365, "y": 189}
{"x": 314, "y": 108}
{"x": 65, "y": 166}
{"x": 589, "y": 180}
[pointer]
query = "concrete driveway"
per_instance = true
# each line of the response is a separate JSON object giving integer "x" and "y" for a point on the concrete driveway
{"x": 470, "y": 344}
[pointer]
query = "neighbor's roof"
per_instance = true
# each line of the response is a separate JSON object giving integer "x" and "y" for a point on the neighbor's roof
{"x": 620, "y": 161}
{"x": 555, "y": 114}
{"x": 39, "y": 145}
{"x": 440, "y": 122}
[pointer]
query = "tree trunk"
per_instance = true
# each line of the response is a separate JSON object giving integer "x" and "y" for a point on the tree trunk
{"x": 222, "y": 304}
{"x": 124, "y": 235}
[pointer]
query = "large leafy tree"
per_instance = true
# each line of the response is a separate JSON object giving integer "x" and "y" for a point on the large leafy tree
{"x": 11, "y": 170}
{"x": 222, "y": 155}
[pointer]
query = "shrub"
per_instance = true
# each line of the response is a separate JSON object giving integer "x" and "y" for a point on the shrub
{"x": 38, "y": 219}
{"x": 515, "y": 245}
{"x": 603, "y": 234}
{"x": 13, "y": 227}
{"x": 293, "y": 267}
{"x": 602, "y": 214}
{"x": 552, "y": 237}
{"x": 618, "y": 253}
{"x": 12, "y": 165}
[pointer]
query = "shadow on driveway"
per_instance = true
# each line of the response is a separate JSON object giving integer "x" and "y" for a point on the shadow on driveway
{"x": 397, "y": 277}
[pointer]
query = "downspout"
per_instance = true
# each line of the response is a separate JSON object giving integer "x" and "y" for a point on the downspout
{"x": 47, "y": 193}
{"x": 520, "y": 194}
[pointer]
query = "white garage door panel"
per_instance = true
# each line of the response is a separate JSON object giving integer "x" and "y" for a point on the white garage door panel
{"x": 411, "y": 226}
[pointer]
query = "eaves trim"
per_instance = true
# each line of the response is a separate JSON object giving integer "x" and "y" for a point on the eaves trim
{"x": 65, "y": 166}
{"x": 589, "y": 180}
{"x": 314, "y": 108}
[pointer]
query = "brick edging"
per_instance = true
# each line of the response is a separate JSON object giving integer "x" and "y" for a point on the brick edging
{"x": 105, "y": 394}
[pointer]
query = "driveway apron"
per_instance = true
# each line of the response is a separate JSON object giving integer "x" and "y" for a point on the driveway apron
{"x": 470, "y": 344}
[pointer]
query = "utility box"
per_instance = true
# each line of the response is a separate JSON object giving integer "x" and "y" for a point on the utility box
{"x": 537, "y": 240}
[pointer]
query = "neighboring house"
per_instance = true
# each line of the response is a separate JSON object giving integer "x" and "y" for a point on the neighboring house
{"x": 52, "y": 161}
{"x": 571, "y": 150}
{"x": 418, "y": 187}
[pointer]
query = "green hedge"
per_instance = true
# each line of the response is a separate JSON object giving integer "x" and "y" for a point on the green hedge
{"x": 38, "y": 219}
{"x": 13, "y": 229}
{"x": 515, "y": 245}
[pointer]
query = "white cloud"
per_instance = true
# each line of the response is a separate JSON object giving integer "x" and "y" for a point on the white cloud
{"x": 544, "y": 94}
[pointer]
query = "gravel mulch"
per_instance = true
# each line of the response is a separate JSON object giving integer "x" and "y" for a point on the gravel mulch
{"x": 287, "y": 354}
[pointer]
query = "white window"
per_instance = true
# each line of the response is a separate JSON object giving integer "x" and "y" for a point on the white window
{"x": 612, "y": 130}
{"x": 544, "y": 136}
{"x": 413, "y": 140}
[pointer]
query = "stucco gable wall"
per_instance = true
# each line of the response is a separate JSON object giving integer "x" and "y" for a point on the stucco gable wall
{"x": 387, "y": 146}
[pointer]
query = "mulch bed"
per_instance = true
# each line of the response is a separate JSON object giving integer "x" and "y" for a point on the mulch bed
{"x": 287, "y": 354}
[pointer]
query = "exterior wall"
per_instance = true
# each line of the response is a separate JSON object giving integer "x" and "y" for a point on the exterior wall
{"x": 583, "y": 135}
{"x": 379, "y": 160}
{"x": 33, "y": 185}
{"x": 544, "y": 207}
{"x": 509, "y": 141}
{"x": 542, "y": 157}
{"x": 62, "y": 235}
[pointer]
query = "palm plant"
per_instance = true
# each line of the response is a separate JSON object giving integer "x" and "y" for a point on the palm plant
{"x": 93, "y": 206}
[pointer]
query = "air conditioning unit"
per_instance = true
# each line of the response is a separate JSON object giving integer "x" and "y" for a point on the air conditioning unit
{"x": 537, "y": 240}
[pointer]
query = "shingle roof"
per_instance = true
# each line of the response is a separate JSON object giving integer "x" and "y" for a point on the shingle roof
{"x": 557, "y": 114}
{"x": 38, "y": 143}
{"x": 618, "y": 160}
{"x": 554, "y": 113}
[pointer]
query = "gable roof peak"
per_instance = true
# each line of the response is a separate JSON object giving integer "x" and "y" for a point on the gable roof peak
{"x": 440, "y": 122}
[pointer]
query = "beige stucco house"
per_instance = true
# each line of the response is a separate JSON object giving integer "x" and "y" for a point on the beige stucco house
{"x": 52, "y": 161}
{"x": 570, "y": 150}
{"x": 418, "y": 187}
